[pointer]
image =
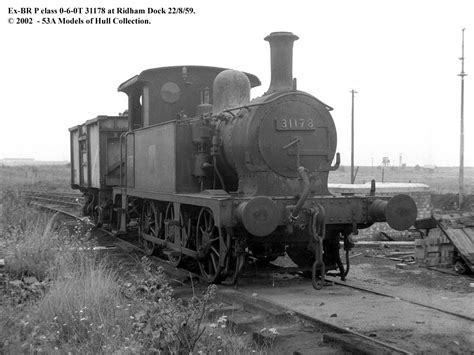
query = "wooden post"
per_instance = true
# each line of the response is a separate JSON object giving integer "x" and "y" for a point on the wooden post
{"x": 353, "y": 92}
{"x": 461, "y": 154}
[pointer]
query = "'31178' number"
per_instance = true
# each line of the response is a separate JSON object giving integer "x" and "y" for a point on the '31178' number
{"x": 294, "y": 124}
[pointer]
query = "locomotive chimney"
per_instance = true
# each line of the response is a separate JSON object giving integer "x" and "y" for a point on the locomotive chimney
{"x": 281, "y": 48}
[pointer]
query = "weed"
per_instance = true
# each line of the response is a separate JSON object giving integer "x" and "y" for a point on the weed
{"x": 31, "y": 252}
{"x": 83, "y": 306}
{"x": 166, "y": 323}
{"x": 37, "y": 177}
{"x": 15, "y": 216}
{"x": 58, "y": 297}
{"x": 80, "y": 310}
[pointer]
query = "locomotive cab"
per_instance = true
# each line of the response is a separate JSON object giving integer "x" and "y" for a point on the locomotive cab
{"x": 168, "y": 93}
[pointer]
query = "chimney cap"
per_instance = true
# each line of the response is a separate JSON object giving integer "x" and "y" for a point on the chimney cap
{"x": 281, "y": 34}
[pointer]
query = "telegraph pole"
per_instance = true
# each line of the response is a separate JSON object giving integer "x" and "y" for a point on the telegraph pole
{"x": 461, "y": 155}
{"x": 353, "y": 92}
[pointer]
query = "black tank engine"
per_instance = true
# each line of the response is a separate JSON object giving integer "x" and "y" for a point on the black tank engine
{"x": 206, "y": 174}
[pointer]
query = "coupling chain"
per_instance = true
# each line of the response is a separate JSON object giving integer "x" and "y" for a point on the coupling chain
{"x": 318, "y": 231}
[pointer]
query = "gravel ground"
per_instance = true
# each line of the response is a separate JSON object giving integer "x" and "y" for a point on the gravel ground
{"x": 411, "y": 327}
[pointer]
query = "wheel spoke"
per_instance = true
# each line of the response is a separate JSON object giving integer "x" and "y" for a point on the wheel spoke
{"x": 215, "y": 250}
{"x": 207, "y": 241}
{"x": 206, "y": 223}
{"x": 160, "y": 223}
{"x": 151, "y": 224}
{"x": 214, "y": 264}
{"x": 155, "y": 219}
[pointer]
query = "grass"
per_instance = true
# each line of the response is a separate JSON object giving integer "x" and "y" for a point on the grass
{"x": 40, "y": 177}
{"x": 31, "y": 253}
{"x": 14, "y": 214}
{"x": 58, "y": 297}
{"x": 83, "y": 307}
{"x": 81, "y": 311}
{"x": 170, "y": 325}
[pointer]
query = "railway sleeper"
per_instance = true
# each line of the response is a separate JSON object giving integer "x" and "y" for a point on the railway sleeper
{"x": 281, "y": 335}
{"x": 355, "y": 344}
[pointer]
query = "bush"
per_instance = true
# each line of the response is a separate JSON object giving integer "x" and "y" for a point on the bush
{"x": 170, "y": 325}
{"x": 15, "y": 215}
{"x": 166, "y": 323}
{"x": 31, "y": 252}
{"x": 64, "y": 298}
{"x": 83, "y": 308}
{"x": 81, "y": 311}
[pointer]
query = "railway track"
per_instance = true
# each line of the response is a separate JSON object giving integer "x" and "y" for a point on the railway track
{"x": 268, "y": 318}
{"x": 66, "y": 203}
{"x": 55, "y": 196}
{"x": 384, "y": 294}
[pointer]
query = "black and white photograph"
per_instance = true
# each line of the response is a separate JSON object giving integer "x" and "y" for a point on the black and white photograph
{"x": 237, "y": 177}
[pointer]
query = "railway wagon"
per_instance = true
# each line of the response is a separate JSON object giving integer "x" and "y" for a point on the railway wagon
{"x": 212, "y": 176}
{"x": 95, "y": 161}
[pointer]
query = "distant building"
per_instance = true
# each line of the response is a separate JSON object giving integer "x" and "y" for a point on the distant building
{"x": 16, "y": 161}
{"x": 28, "y": 161}
{"x": 429, "y": 168}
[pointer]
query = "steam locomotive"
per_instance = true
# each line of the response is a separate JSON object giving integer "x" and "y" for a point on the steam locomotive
{"x": 204, "y": 173}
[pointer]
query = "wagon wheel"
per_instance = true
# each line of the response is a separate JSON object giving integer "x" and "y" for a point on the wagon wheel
{"x": 133, "y": 209}
{"x": 152, "y": 224}
{"x": 208, "y": 239}
{"x": 175, "y": 257}
{"x": 96, "y": 218}
{"x": 460, "y": 267}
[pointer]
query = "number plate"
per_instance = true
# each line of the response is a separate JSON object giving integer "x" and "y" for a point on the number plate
{"x": 295, "y": 124}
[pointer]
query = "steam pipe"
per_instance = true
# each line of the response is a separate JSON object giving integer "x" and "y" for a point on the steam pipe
{"x": 216, "y": 169}
{"x": 281, "y": 56}
{"x": 304, "y": 175}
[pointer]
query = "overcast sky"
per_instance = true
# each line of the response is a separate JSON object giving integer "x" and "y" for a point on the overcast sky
{"x": 401, "y": 56}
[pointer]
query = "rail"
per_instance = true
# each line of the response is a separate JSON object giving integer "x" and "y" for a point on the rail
{"x": 383, "y": 294}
